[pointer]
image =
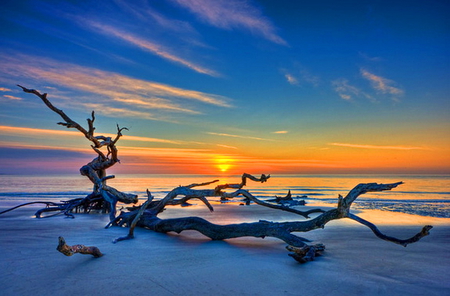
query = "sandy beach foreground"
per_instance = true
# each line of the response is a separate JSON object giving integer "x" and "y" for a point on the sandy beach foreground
{"x": 355, "y": 261}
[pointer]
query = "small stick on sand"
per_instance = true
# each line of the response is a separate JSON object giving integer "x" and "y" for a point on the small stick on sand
{"x": 70, "y": 250}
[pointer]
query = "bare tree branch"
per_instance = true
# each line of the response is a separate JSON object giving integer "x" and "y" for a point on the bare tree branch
{"x": 404, "y": 242}
{"x": 94, "y": 170}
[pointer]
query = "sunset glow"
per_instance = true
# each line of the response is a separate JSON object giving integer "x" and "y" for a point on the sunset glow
{"x": 226, "y": 87}
{"x": 223, "y": 163}
{"x": 223, "y": 167}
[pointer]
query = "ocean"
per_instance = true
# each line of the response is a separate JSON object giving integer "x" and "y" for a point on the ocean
{"x": 424, "y": 195}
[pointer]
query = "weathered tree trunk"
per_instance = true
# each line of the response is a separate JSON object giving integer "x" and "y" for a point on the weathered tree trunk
{"x": 103, "y": 196}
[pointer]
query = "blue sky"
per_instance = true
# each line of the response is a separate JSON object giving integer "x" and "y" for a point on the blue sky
{"x": 229, "y": 86}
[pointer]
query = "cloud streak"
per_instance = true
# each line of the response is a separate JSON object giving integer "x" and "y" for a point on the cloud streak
{"x": 226, "y": 146}
{"x": 155, "y": 103}
{"x": 362, "y": 146}
{"x": 238, "y": 136}
{"x": 347, "y": 91}
{"x": 149, "y": 46}
{"x": 382, "y": 85}
{"x": 132, "y": 95}
{"x": 291, "y": 79}
{"x": 12, "y": 97}
{"x": 299, "y": 76}
{"x": 231, "y": 14}
{"x": 36, "y": 132}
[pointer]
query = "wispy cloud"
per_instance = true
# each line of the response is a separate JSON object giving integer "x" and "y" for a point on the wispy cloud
{"x": 155, "y": 103}
{"x": 291, "y": 79}
{"x": 227, "y": 146}
{"x": 15, "y": 130}
{"x": 131, "y": 95}
{"x": 347, "y": 91}
{"x": 4, "y": 89}
{"x": 147, "y": 14}
{"x": 111, "y": 111}
{"x": 280, "y": 132}
{"x": 230, "y": 14}
{"x": 300, "y": 76}
{"x": 238, "y": 136}
{"x": 149, "y": 46}
{"x": 12, "y": 97}
{"x": 382, "y": 85}
{"x": 362, "y": 146}
{"x": 37, "y": 132}
{"x": 36, "y": 146}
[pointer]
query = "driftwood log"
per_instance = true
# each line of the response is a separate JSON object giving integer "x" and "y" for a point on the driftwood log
{"x": 105, "y": 198}
{"x": 82, "y": 249}
{"x": 147, "y": 217}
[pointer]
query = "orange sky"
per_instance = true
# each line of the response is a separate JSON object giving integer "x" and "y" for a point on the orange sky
{"x": 139, "y": 155}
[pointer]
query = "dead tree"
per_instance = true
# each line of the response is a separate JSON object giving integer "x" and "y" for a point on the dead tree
{"x": 151, "y": 208}
{"x": 103, "y": 196}
{"x": 146, "y": 215}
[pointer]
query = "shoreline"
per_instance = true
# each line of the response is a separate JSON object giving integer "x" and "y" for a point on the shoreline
{"x": 354, "y": 262}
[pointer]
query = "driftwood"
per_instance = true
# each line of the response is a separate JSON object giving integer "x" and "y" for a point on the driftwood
{"x": 82, "y": 249}
{"x": 146, "y": 215}
{"x": 281, "y": 230}
{"x": 288, "y": 200}
{"x": 306, "y": 253}
{"x": 105, "y": 198}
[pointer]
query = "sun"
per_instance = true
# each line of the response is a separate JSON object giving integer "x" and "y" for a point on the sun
{"x": 223, "y": 163}
{"x": 223, "y": 167}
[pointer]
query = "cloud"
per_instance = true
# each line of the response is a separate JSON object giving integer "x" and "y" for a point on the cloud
{"x": 111, "y": 111}
{"x": 362, "y": 146}
{"x": 291, "y": 79}
{"x": 347, "y": 91}
{"x": 382, "y": 85}
{"x": 280, "y": 132}
{"x": 237, "y": 136}
{"x": 300, "y": 76}
{"x": 147, "y": 14}
{"x": 155, "y": 103}
{"x": 230, "y": 14}
{"x": 149, "y": 46}
{"x": 35, "y": 146}
{"x": 37, "y": 132}
{"x": 12, "y": 97}
{"x": 131, "y": 95}
{"x": 4, "y": 89}
{"x": 227, "y": 146}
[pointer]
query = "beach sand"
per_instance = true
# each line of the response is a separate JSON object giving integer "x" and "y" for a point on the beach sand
{"x": 355, "y": 262}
